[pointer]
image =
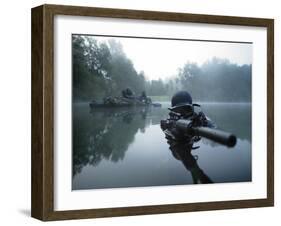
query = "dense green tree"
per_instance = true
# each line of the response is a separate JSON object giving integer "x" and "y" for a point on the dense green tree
{"x": 102, "y": 69}
{"x": 91, "y": 66}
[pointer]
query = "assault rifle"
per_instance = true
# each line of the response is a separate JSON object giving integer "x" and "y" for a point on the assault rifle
{"x": 191, "y": 126}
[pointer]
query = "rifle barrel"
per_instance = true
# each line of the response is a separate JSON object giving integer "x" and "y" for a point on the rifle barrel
{"x": 216, "y": 135}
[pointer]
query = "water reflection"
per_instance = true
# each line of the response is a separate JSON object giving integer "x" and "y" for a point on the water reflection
{"x": 125, "y": 147}
{"x": 182, "y": 152}
{"x": 107, "y": 133}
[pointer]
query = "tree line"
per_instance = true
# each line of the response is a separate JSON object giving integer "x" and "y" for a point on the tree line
{"x": 102, "y": 69}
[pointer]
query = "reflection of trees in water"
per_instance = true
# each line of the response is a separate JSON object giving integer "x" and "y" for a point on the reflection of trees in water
{"x": 107, "y": 133}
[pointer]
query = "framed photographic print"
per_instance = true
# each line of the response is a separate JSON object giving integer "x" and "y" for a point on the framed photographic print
{"x": 142, "y": 112}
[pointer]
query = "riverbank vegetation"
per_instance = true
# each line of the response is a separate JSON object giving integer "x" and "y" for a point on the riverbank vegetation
{"x": 102, "y": 69}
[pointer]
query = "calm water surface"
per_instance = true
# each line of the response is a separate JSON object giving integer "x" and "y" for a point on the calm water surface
{"x": 126, "y": 147}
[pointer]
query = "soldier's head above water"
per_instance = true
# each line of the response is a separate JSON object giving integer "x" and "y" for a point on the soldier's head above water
{"x": 186, "y": 125}
{"x": 182, "y": 103}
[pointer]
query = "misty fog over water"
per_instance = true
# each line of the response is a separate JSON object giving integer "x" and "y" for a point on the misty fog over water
{"x": 116, "y": 147}
{"x": 127, "y": 148}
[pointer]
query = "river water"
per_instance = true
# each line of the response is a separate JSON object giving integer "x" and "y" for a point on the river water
{"x": 125, "y": 147}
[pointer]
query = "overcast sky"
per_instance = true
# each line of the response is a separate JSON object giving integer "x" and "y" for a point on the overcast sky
{"x": 162, "y": 58}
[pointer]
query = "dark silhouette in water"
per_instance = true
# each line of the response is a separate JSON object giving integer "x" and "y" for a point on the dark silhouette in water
{"x": 105, "y": 135}
{"x": 113, "y": 147}
{"x": 182, "y": 152}
{"x": 185, "y": 127}
{"x": 128, "y": 93}
{"x": 187, "y": 124}
{"x": 128, "y": 99}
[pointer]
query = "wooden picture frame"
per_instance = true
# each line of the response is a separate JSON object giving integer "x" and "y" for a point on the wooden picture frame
{"x": 42, "y": 205}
